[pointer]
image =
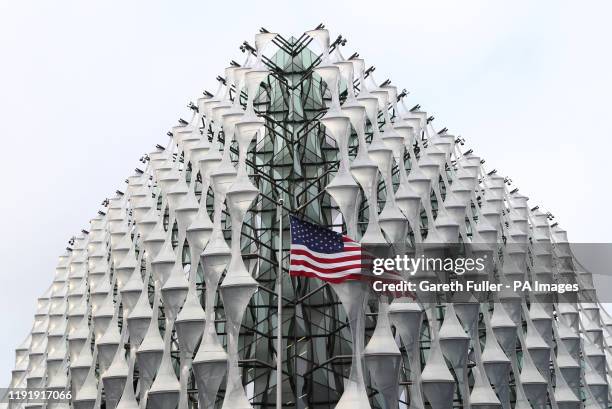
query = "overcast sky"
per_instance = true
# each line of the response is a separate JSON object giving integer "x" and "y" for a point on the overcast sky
{"x": 87, "y": 87}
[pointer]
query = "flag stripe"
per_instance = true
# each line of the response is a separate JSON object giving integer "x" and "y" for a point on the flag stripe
{"x": 334, "y": 280}
{"x": 329, "y": 256}
{"x": 330, "y": 275}
{"x": 319, "y": 258}
{"x": 326, "y": 268}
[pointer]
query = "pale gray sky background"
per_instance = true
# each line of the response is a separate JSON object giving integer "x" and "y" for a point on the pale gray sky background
{"x": 86, "y": 87}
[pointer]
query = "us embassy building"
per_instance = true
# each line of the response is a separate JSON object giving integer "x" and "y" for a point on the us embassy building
{"x": 178, "y": 294}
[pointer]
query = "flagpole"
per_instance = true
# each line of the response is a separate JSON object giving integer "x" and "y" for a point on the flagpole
{"x": 279, "y": 311}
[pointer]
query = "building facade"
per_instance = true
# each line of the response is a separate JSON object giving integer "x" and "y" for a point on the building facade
{"x": 169, "y": 298}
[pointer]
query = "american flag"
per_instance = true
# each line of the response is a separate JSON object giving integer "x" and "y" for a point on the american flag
{"x": 323, "y": 253}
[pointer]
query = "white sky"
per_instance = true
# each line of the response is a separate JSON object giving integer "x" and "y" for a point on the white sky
{"x": 87, "y": 87}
